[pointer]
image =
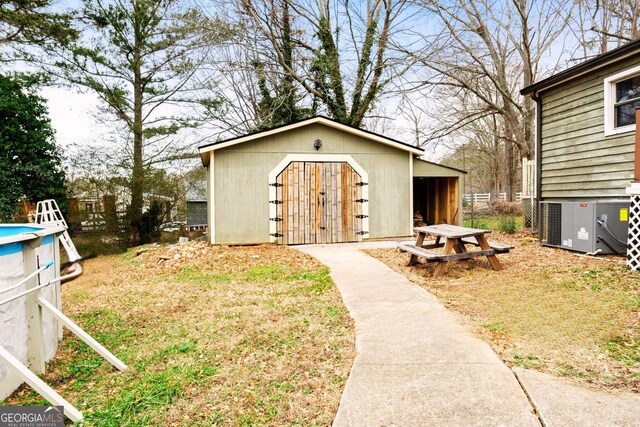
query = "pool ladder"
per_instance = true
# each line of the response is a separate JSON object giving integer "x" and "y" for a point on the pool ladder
{"x": 48, "y": 213}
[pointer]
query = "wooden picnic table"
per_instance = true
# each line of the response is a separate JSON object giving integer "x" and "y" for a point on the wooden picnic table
{"x": 456, "y": 238}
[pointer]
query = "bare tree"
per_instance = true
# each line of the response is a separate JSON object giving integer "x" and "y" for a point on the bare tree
{"x": 249, "y": 89}
{"x": 482, "y": 53}
{"x": 488, "y": 50}
{"x": 336, "y": 53}
{"x": 605, "y": 24}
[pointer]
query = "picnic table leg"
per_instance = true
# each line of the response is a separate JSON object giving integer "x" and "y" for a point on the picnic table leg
{"x": 460, "y": 248}
{"x": 493, "y": 260}
{"x": 419, "y": 242}
{"x": 442, "y": 265}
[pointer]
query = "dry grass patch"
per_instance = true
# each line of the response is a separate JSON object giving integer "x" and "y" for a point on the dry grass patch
{"x": 549, "y": 309}
{"x": 225, "y": 336}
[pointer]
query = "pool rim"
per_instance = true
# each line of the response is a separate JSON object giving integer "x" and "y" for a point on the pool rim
{"x": 31, "y": 235}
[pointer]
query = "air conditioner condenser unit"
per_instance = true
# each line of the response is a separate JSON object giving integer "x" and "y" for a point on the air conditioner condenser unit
{"x": 586, "y": 226}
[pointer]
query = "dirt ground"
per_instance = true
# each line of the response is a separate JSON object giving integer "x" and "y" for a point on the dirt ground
{"x": 549, "y": 309}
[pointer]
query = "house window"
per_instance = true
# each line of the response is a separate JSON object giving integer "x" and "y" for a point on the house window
{"x": 621, "y": 98}
{"x": 627, "y": 100}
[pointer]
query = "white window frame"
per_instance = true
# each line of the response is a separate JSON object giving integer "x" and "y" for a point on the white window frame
{"x": 610, "y": 100}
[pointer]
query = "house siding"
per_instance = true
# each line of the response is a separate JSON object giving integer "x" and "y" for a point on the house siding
{"x": 242, "y": 188}
{"x": 578, "y": 160}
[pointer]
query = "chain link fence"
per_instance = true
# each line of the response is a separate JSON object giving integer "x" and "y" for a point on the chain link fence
{"x": 530, "y": 213}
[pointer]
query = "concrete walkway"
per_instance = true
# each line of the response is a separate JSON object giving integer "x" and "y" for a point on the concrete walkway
{"x": 561, "y": 403}
{"x": 415, "y": 363}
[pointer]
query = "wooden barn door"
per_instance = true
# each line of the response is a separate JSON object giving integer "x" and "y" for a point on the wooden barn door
{"x": 321, "y": 203}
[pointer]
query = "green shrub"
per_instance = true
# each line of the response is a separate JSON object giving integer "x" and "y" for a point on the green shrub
{"x": 148, "y": 226}
{"x": 507, "y": 224}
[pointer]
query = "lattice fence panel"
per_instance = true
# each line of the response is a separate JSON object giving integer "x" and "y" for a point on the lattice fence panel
{"x": 633, "y": 244}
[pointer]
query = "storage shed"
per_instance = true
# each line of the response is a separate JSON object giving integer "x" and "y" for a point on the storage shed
{"x": 319, "y": 181}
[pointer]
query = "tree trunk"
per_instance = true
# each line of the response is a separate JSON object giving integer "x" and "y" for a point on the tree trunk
{"x": 288, "y": 88}
{"x": 527, "y": 80}
{"x": 137, "y": 176}
{"x": 510, "y": 170}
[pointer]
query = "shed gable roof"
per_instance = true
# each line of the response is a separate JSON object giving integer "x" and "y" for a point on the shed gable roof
{"x": 317, "y": 119}
{"x": 593, "y": 64}
{"x": 422, "y": 167}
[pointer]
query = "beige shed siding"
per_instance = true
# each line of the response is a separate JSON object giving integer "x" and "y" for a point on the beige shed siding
{"x": 578, "y": 161}
{"x": 242, "y": 191}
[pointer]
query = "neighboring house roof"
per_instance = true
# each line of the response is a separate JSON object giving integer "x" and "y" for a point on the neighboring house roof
{"x": 317, "y": 119}
{"x": 157, "y": 196}
{"x": 614, "y": 55}
{"x": 197, "y": 192}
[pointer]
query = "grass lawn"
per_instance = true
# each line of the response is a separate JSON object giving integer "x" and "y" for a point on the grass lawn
{"x": 224, "y": 336}
{"x": 549, "y": 309}
{"x": 503, "y": 222}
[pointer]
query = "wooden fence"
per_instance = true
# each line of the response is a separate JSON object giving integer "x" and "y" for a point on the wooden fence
{"x": 89, "y": 222}
{"x": 487, "y": 197}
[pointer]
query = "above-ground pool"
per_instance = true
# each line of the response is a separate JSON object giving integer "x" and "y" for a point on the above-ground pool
{"x": 23, "y": 249}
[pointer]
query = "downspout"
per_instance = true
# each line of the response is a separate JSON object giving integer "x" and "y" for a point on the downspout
{"x": 538, "y": 156}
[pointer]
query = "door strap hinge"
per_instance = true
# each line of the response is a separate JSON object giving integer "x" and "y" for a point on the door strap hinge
{"x": 276, "y": 234}
{"x": 362, "y": 200}
{"x": 362, "y": 216}
{"x": 360, "y": 184}
{"x": 275, "y": 219}
{"x": 276, "y": 184}
{"x": 362, "y": 232}
{"x": 276, "y": 202}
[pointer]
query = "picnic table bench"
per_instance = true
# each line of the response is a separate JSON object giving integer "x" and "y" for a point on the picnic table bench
{"x": 456, "y": 238}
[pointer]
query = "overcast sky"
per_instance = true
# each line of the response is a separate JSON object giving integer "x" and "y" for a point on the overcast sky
{"x": 72, "y": 116}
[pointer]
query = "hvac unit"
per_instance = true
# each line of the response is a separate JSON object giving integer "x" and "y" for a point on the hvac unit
{"x": 592, "y": 226}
